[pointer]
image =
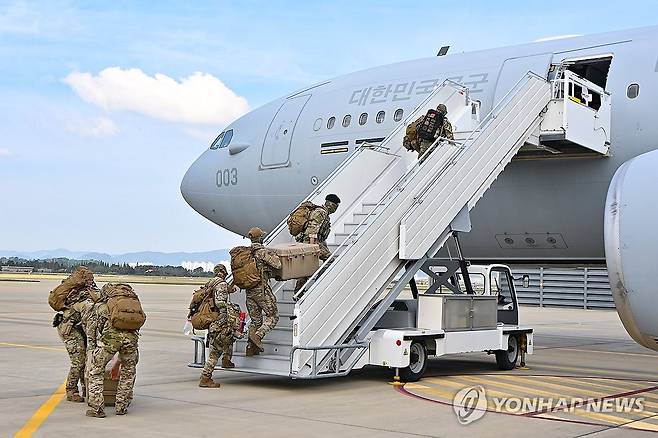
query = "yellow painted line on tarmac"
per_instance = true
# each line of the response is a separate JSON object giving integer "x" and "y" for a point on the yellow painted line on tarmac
{"x": 604, "y": 372}
{"x": 579, "y": 350}
{"x": 34, "y": 347}
{"x": 42, "y": 413}
{"x": 462, "y": 385}
{"x": 447, "y": 396}
{"x": 566, "y": 388}
{"x": 620, "y": 421}
{"x": 520, "y": 389}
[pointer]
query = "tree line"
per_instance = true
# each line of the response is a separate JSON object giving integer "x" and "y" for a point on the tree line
{"x": 66, "y": 265}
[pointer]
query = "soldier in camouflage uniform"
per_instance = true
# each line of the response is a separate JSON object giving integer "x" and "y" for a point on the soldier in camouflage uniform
{"x": 221, "y": 333}
{"x": 71, "y": 325}
{"x": 108, "y": 342}
{"x": 444, "y": 131}
{"x": 317, "y": 230}
{"x": 261, "y": 300}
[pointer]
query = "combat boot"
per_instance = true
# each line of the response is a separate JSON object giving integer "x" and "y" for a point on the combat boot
{"x": 74, "y": 397}
{"x": 97, "y": 414}
{"x": 226, "y": 362}
{"x": 121, "y": 411}
{"x": 252, "y": 349}
{"x": 207, "y": 382}
{"x": 257, "y": 340}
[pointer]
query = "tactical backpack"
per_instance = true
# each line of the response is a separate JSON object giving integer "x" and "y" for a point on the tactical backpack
{"x": 410, "y": 140}
{"x": 298, "y": 219}
{"x": 430, "y": 124}
{"x": 124, "y": 307}
{"x": 244, "y": 268}
{"x": 202, "y": 309}
{"x": 79, "y": 279}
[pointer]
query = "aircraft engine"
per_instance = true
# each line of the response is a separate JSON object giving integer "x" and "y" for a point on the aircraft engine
{"x": 631, "y": 246}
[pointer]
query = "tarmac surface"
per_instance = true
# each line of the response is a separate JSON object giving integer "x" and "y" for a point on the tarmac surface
{"x": 583, "y": 360}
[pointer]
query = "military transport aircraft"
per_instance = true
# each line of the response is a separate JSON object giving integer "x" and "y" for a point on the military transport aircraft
{"x": 553, "y": 203}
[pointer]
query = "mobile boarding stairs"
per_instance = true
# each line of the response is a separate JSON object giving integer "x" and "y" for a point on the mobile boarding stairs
{"x": 397, "y": 212}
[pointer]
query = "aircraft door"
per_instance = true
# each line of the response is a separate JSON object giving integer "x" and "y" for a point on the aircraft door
{"x": 276, "y": 147}
{"x": 514, "y": 68}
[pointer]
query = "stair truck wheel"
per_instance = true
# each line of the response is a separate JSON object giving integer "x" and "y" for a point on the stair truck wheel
{"x": 417, "y": 363}
{"x": 506, "y": 359}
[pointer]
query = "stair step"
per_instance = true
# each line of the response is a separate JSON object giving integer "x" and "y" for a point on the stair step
{"x": 262, "y": 364}
{"x": 350, "y": 227}
{"x": 271, "y": 348}
{"x": 277, "y": 334}
{"x": 341, "y": 237}
{"x": 368, "y": 207}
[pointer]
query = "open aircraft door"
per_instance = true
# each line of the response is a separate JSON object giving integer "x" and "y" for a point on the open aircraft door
{"x": 276, "y": 147}
{"x": 515, "y": 68}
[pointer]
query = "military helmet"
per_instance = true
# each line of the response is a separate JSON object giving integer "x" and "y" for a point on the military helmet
{"x": 256, "y": 233}
{"x": 442, "y": 108}
{"x": 332, "y": 198}
{"x": 220, "y": 270}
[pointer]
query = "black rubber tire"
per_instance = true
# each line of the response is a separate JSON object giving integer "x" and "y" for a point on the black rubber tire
{"x": 506, "y": 359}
{"x": 417, "y": 363}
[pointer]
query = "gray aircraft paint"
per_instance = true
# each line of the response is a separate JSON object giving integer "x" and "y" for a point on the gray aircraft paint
{"x": 561, "y": 197}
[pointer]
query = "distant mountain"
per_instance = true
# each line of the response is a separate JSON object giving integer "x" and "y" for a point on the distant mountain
{"x": 157, "y": 258}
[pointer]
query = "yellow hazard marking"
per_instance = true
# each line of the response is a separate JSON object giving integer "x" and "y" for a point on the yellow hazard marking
{"x": 579, "y": 350}
{"x": 35, "y": 347}
{"x": 42, "y": 413}
{"x": 601, "y": 371}
{"x": 461, "y": 385}
{"x": 563, "y": 386}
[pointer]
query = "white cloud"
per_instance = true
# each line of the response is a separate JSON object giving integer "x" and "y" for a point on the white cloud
{"x": 199, "y": 98}
{"x": 98, "y": 127}
{"x": 556, "y": 37}
{"x": 4, "y": 152}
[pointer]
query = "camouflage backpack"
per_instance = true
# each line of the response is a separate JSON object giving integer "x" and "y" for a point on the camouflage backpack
{"x": 202, "y": 309}
{"x": 411, "y": 142}
{"x": 78, "y": 280}
{"x": 244, "y": 268}
{"x": 298, "y": 219}
{"x": 124, "y": 307}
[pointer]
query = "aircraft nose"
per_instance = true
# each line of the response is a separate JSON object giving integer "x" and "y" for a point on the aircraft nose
{"x": 194, "y": 185}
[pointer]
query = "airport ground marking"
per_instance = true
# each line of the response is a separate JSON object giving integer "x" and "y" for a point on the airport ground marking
{"x": 578, "y": 350}
{"x": 34, "y": 347}
{"x": 42, "y": 413}
{"x": 611, "y": 420}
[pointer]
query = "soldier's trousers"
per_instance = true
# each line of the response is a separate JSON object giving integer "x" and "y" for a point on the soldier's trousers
{"x": 261, "y": 302}
{"x": 324, "y": 255}
{"x": 220, "y": 341}
{"x": 75, "y": 347}
{"x": 424, "y": 146}
{"x": 112, "y": 341}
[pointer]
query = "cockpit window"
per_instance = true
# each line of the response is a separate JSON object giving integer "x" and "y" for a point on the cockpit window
{"x": 218, "y": 140}
{"x": 228, "y": 135}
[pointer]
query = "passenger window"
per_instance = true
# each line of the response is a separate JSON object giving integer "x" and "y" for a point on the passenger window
{"x": 397, "y": 116}
{"x": 501, "y": 287}
{"x": 218, "y": 140}
{"x": 477, "y": 281}
{"x": 331, "y": 122}
{"x": 318, "y": 124}
{"x": 380, "y": 117}
{"x": 633, "y": 91}
{"x": 363, "y": 118}
{"x": 228, "y": 135}
{"x": 346, "y": 120}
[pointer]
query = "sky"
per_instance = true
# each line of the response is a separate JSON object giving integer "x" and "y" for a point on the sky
{"x": 104, "y": 105}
